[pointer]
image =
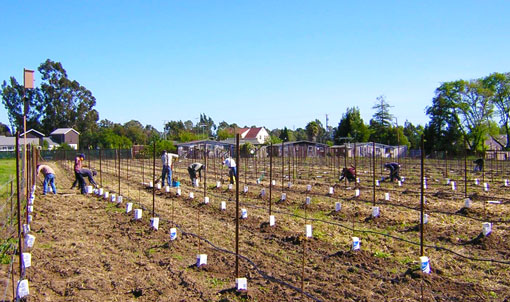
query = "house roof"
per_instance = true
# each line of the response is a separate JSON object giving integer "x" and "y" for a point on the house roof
{"x": 250, "y": 133}
{"x": 50, "y": 141}
{"x": 201, "y": 142}
{"x": 63, "y": 131}
{"x": 11, "y": 141}
{"x": 7, "y": 140}
{"x": 33, "y": 131}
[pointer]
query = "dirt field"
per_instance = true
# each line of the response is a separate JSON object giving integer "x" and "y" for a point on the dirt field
{"x": 89, "y": 249}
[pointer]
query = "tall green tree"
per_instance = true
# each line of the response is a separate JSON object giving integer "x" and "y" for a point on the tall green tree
{"x": 352, "y": 125}
{"x": 499, "y": 84}
{"x": 4, "y": 130}
{"x": 381, "y": 122}
{"x": 284, "y": 135}
{"x": 13, "y": 97}
{"x": 65, "y": 103}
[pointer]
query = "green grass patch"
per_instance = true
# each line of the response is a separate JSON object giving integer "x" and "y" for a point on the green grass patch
{"x": 5, "y": 247}
{"x": 7, "y": 169}
{"x": 380, "y": 254}
{"x": 215, "y": 282}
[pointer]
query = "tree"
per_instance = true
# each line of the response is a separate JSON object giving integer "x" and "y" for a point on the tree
{"x": 284, "y": 135}
{"x": 467, "y": 106}
{"x": 381, "y": 122}
{"x": 300, "y": 134}
{"x": 64, "y": 102}
{"x": 499, "y": 84}
{"x": 13, "y": 96}
{"x": 4, "y": 130}
{"x": 413, "y": 134}
{"x": 352, "y": 125}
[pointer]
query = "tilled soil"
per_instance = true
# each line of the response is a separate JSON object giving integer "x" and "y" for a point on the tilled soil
{"x": 89, "y": 249}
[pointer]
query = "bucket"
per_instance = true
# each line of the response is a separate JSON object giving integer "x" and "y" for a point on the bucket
{"x": 241, "y": 284}
{"x": 258, "y": 181}
{"x": 191, "y": 195}
{"x": 338, "y": 206}
{"x": 357, "y": 179}
{"x": 425, "y": 264}
{"x": 377, "y": 182}
{"x": 158, "y": 186}
{"x": 150, "y": 184}
{"x": 206, "y": 199}
{"x": 453, "y": 186}
{"x": 176, "y": 183}
{"x": 308, "y": 200}
{"x": 201, "y": 259}
{"x": 223, "y": 205}
{"x": 447, "y": 181}
{"x": 284, "y": 196}
{"x": 106, "y": 194}
{"x": 29, "y": 218}
{"x": 308, "y": 231}
{"x": 308, "y": 188}
{"x": 245, "y": 189}
{"x": 273, "y": 182}
{"x": 113, "y": 198}
{"x": 129, "y": 207}
{"x": 119, "y": 199}
{"x": 244, "y": 213}
{"x": 386, "y": 196}
{"x": 356, "y": 193}
{"x": 89, "y": 190}
{"x": 399, "y": 183}
{"x": 155, "y": 223}
{"x": 477, "y": 182}
{"x": 355, "y": 243}
{"x": 425, "y": 218}
{"x": 100, "y": 192}
{"x": 30, "y": 209}
{"x": 289, "y": 185}
{"x": 486, "y": 187}
{"x": 218, "y": 184}
{"x": 506, "y": 182}
{"x": 331, "y": 190}
{"x": 138, "y": 214}
{"x": 173, "y": 234}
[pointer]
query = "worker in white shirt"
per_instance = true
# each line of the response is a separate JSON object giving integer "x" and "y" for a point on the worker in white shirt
{"x": 167, "y": 160}
{"x": 232, "y": 169}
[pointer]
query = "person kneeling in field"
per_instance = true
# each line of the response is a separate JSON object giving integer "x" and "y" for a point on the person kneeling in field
{"x": 394, "y": 171}
{"x": 49, "y": 178}
{"x": 348, "y": 173}
{"x": 193, "y": 169}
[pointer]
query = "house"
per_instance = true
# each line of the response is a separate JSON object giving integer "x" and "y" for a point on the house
{"x": 255, "y": 136}
{"x": 495, "y": 148}
{"x": 7, "y": 143}
{"x": 66, "y": 135}
{"x": 299, "y": 148}
{"x": 195, "y": 149}
{"x": 366, "y": 150}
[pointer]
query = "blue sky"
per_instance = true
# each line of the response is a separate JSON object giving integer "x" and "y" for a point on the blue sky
{"x": 264, "y": 63}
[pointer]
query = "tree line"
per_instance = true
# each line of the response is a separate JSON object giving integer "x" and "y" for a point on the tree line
{"x": 463, "y": 113}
